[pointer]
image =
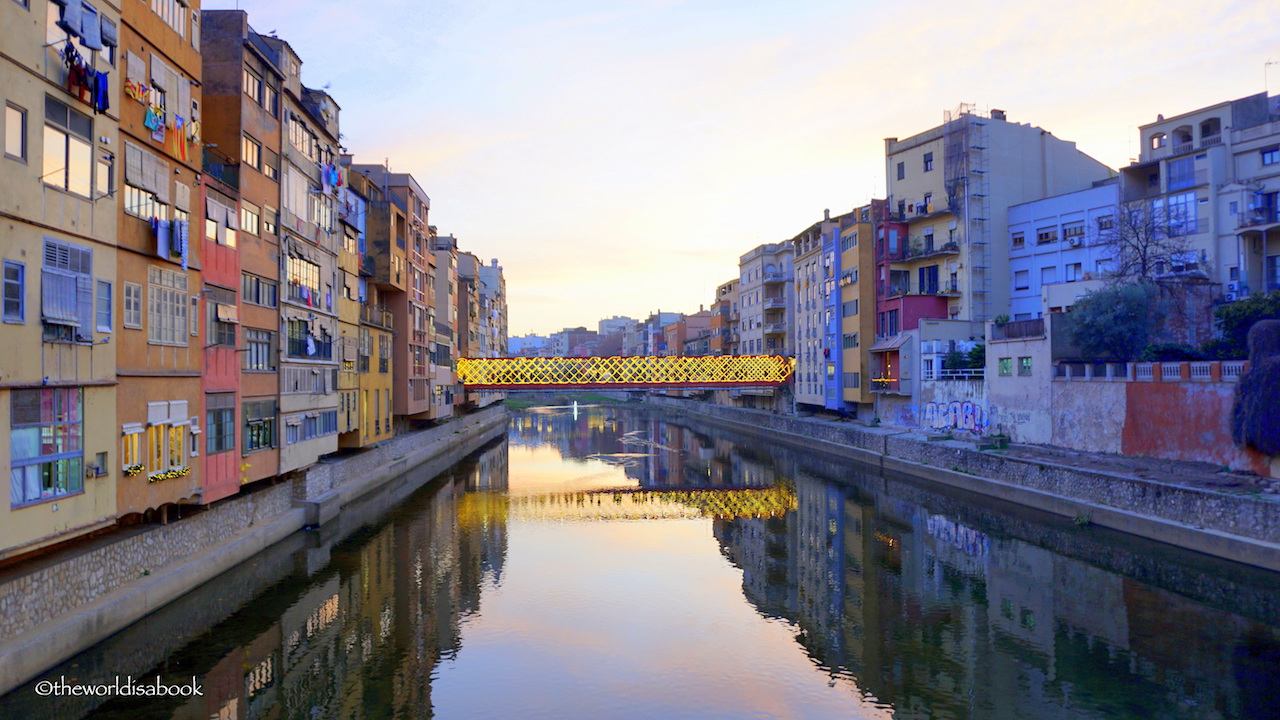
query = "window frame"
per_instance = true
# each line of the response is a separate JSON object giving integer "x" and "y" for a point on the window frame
{"x": 1024, "y": 366}
{"x": 23, "y": 133}
{"x": 68, "y": 135}
{"x": 102, "y": 309}
{"x": 64, "y": 427}
{"x": 19, "y": 316}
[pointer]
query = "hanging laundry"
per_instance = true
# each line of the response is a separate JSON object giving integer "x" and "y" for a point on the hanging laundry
{"x": 164, "y": 237}
{"x": 101, "y": 93}
{"x": 183, "y": 232}
{"x": 137, "y": 91}
{"x": 311, "y": 345}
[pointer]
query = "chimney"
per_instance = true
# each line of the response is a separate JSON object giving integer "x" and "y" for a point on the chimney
{"x": 826, "y": 214}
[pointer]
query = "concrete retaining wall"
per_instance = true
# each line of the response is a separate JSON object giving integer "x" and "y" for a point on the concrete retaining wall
{"x": 1236, "y": 527}
{"x": 66, "y": 605}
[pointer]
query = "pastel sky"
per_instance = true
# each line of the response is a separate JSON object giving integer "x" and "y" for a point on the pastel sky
{"x": 617, "y": 157}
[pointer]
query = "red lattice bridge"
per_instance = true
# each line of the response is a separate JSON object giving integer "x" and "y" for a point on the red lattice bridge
{"x": 624, "y": 373}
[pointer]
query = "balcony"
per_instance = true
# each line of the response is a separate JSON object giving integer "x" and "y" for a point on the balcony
{"x": 375, "y": 315}
{"x": 891, "y": 386}
{"x": 775, "y": 303}
{"x": 774, "y": 277}
{"x": 221, "y": 168}
{"x": 928, "y": 250}
{"x": 1254, "y": 217}
{"x": 775, "y": 328}
{"x": 1018, "y": 329}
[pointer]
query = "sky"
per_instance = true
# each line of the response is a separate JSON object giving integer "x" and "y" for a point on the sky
{"x": 618, "y": 157}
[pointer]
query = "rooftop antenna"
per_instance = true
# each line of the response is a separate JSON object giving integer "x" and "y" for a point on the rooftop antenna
{"x": 1266, "y": 84}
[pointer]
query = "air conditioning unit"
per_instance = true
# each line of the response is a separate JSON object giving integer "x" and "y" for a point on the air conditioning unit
{"x": 1073, "y": 242}
{"x": 1233, "y": 287}
{"x": 1230, "y": 297}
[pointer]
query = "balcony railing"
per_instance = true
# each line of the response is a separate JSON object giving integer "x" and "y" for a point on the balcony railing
{"x": 775, "y": 329}
{"x": 321, "y": 350}
{"x": 928, "y": 250}
{"x": 1258, "y": 216}
{"x": 775, "y": 303}
{"x": 376, "y": 315}
{"x": 221, "y": 168}
{"x": 1018, "y": 329}
{"x": 774, "y": 277}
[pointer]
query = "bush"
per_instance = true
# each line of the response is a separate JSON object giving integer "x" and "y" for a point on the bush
{"x": 1116, "y": 322}
{"x": 1235, "y": 319}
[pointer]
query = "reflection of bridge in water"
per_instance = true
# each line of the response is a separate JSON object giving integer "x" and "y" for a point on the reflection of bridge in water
{"x": 630, "y": 504}
{"x": 624, "y": 373}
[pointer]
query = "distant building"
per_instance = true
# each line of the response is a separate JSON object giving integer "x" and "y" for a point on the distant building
{"x": 765, "y": 290}
{"x": 724, "y": 320}
{"x": 817, "y": 321}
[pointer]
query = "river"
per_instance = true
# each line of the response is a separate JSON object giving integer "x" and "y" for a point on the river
{"x": 611, "y": 562}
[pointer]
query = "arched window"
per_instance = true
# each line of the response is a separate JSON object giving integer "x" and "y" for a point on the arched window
{"x": 1159, "y": 140}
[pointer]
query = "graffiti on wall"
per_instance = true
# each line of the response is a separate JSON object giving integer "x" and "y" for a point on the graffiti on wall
{"x": 956, "y": 415}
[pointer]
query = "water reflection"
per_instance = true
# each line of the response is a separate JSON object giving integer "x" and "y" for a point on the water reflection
{"x": 581, "y": 569}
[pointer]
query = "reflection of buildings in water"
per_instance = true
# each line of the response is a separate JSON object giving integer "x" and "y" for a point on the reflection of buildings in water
{"x": 482, "y": 522}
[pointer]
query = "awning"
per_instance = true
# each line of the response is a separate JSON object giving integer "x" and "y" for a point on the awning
{"x": 227, "y": 314}
{"x": 892, "y": 343}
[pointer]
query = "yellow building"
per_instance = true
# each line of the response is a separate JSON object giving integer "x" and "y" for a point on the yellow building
{"x": 61, "y": 306}
{"x": 857, "y": 306}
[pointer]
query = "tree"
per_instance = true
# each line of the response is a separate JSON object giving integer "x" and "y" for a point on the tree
{"x": 1147, "y": 238}
{"x": 1235, "y": 319}
{"x": 1116, "y": 322}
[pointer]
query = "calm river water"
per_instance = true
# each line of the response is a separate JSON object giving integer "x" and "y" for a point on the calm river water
{"x": 610, "y": 562}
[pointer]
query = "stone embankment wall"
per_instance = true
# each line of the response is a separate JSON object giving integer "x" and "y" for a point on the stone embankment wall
{"x": 63, "y": 604}
{"x": 1244, "y": 528}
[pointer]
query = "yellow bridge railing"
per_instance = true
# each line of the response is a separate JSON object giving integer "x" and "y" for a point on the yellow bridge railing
{"x": 531, "y": 373}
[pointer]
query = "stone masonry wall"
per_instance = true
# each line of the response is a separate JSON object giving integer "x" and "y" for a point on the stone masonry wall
{"x": 36, "y": 597}
{"x": 31, "y": 598}
{"x": 1238, "y": 515}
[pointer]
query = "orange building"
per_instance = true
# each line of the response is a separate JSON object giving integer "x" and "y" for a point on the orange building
{"x": 159, "y": 348}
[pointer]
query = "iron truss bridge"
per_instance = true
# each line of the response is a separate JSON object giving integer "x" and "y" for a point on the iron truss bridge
{"x": 624, "y": 373}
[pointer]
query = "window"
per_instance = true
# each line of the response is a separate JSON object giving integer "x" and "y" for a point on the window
{"x": 15, "y": 132}
{"x": 1159, "y": 140}
{"x": 104, "y": 177}
{"x": 251, "y": 152}
{"x": 1182, "y": 173}
{"x": 1107, "y": 222}
{"x": 1073, "y": 233}
{"x": 46, "y": 430}
{"x": 269, "y": 222}
{"x": 143, "y": 204}
{"x": 1022, "y": 280}
{"x": 1074, "y": 272}
{"x": 221, "y": 316}
{"x": 258, "y": 291}
{"x": 66, "y": 291}
{"x": 167, "y": 312}
{"x": 928, "y": 162}
{"x": 220, "y": 430}
{"x": 133, "y": 305}
{"x": 131, "y": 448}
{"x": 173, "y": 12}
{"x": 1181, "y": 213}
{"x": 259, "y": 425}
{"x": 305, "y": 344}
{"x": 177, "y": 446}
{"x": 1048, "y": 275}
{"x": 311, "y": 426}
{"x": 850, "y": 341}
{"x": 1270, "y": 156}
{"x": 15, "y": 292}
{"x": 249, "y": 218}
{"x": 68, "y": 148}
{"x": 902, "y": 170}
{"x": 271, "y": 100}
{"x": 1019, "y": 240}
{"x": 253, "y": 85}
{"x": 1006, "y": 366}
{"x": 260, "y": 349}
{"x": 1046, "y": 235}
{"x": 271, "y": 163}
{"x": 849, "y": 308}
{"x": 304, "y": 281}
{"x": 103, "y": 310}
{"x": 1024, "y": 366}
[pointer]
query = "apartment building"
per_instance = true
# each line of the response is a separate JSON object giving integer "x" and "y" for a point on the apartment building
{"x": 1058, "y": 249}
{"x": 160, "y": 349}
{"x": 241, "y": 309}
{"x": 724, "y": 320}
{"x": 940, "y": 250}
{"x": 59, "y": 178}
{"x": 856, "y": 280}
{"x": 373, "y": 351}
{"x": 446, "y": 392}
{"x": 765, "y": 290}
{"x": 816, "y": 320}
{"x": 1212, "y": 176}
{"x": 310, "y": 239}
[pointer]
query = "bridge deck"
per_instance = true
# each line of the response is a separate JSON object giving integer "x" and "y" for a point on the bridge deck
{"x": 620, "y": 373}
